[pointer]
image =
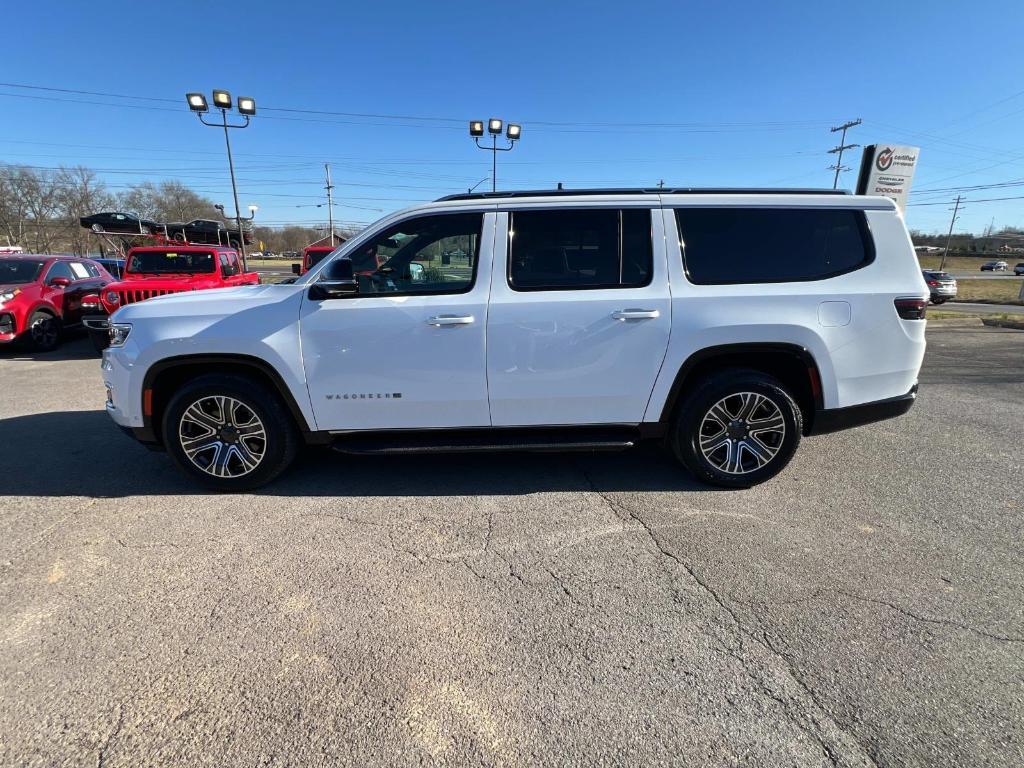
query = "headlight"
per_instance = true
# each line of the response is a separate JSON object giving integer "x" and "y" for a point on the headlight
{"x": 119, "y": 333}
{"x": 112, "y": 297}
{"x": 6, "y": 296}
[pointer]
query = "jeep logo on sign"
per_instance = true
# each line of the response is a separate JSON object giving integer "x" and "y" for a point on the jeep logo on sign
{"x": 884, "y": 159}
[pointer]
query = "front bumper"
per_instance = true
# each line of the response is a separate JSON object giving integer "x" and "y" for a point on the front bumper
{"x": 835, "y": 419}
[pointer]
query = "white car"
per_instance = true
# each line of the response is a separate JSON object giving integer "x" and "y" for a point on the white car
{"x": 727, "y": 324}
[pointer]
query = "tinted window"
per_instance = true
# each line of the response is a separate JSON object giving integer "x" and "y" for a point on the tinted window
{"x": 429, "y": 254}
{"x": 579, "y": 249}
{"x": 60, "y": 269}
{"x": 750, "y": 245}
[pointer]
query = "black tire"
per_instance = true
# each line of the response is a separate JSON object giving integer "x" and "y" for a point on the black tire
{"x": 281, "y": 437}
{"x": 685, "y": 438}
{"x": 178, "y": 237}
{"x": 938, "y": 301}
{"x": 100, "y": 340}
{"x": 43, "y": 332}
{"x": 235, "y": 244}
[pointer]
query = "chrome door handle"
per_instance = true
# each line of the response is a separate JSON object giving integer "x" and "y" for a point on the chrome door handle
{"x": 442, "y": 320}
{"x": 636, "y": 314}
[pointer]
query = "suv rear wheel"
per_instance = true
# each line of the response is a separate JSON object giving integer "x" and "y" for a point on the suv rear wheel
{"x": 737, "y": 429}
{"x": 229, "y": 432}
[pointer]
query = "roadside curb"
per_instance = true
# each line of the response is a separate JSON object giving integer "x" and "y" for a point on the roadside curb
{"x": 997, "y": 323}
{"x": 967, "y": 321}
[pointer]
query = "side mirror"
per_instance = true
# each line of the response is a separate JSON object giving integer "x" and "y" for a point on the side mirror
{"x": 59, "y": 282}
{"x": 229, "y": 270}
{"x": 296, "y": 269}
{"x": 416, "y": 273}
{"x": 336, "y": 282}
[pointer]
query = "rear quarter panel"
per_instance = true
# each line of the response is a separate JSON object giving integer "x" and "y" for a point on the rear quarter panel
{"x": 848, "y": 323}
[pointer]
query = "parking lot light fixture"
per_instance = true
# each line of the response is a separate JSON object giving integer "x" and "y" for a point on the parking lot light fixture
{"x": 222, "y": 99}
{"x": 197, "y": 102}
{"x": 246, "y": 108}
{"x": 494, "y": 126}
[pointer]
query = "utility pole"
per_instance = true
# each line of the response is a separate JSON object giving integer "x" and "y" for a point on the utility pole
{"x": 945, "y": 253}
{"x": 661, "y": 183}
{"x": 330, "y": 202}
{"x": 841, "y": 148}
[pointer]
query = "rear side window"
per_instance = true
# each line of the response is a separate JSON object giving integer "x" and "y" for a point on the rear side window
{"x": 573, "y": 249}
{"x": 770, "y": 245}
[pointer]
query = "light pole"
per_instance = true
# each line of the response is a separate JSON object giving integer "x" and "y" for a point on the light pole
{"x": 512, "y": 133}
{"x": 246, "y": 108}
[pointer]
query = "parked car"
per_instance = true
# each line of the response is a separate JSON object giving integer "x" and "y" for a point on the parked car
{"x": 206, "y": 231}
{"x": 114, "y": 266}
{"x": 941, "y": 285}
{"x": 311, "y": 256}
{"x": 161, "y": 270}
{"x": 119, "y": 222}
{"x": 592, "y": 329}
{"x": 995, "y": 266}
{"x": 41, "y": 296}
{"x": 1019, "y": 269}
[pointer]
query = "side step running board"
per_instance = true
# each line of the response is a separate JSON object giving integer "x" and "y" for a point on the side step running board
{"x": 483, "y": 441}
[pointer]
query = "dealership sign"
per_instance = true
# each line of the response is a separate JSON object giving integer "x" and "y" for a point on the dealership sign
{"x": 887, "y": 170}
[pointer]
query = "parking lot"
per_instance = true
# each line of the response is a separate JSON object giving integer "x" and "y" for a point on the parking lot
{"x": 864, "y": 608}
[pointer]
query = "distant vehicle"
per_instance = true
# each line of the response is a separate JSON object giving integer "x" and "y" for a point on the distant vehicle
{"x": 941, "y": 285}
{"x": 42, "y": 295}
{"x": 117, "y": 221}
{"x": 152, "y": 271}
{"x": 314, "y": 254}
{"x": 1019, "y": 269}
{"x": 114, "y": 266}
{"x": 995, "y": 266}
{"x": 205, "y": 231}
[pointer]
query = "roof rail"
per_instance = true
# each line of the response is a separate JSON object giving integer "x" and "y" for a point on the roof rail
{"x": 641, "y": 191}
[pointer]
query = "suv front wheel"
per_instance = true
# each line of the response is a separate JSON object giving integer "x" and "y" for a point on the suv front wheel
{"x": 229, "y": 432}
{"x": 737, "y": 429}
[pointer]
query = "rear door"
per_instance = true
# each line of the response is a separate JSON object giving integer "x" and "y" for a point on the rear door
{"x": 580, "y": 315}
{"x": 407, "y": 351}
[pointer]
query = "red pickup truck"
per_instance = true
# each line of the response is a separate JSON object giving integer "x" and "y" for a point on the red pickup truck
{"x": 159, "y": 270}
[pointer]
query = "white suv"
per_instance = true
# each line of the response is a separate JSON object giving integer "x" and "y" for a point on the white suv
{"x": 726, "y": 323}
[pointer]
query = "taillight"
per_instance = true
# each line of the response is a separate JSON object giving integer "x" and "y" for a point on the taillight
{"x": 933, "y": 283}
{"x": 911, "y": 309}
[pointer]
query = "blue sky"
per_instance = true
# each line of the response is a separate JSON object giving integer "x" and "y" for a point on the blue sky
{"x": 712, "y": 93}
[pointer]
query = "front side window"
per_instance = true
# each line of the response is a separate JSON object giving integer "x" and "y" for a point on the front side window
{"x": 429, "y": 254}
{"x": 573, "y": 249}
{"x": 60, "y": 269}
{"x": 171, "y": 261}
{"x": 771, "y": 245}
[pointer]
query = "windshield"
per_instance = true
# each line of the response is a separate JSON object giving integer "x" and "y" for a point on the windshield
{"x": 157, "y": 262}
{"x": 19, "y": 271}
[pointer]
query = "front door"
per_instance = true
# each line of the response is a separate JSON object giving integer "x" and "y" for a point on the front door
{"x": 408, "y": 350}
{"x": 580, "y": 315}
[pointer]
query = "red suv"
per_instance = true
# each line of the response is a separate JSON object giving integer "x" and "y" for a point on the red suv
{"x": 40, "y": 295}
{"x": 159, "y": 270}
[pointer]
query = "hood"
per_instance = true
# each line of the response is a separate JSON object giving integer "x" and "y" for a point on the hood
{"x": 210, "y": 302}
{"x": 168, "y": 282}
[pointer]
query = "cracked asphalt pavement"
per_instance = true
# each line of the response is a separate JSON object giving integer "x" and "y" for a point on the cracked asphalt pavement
{"x": 864, "y": 608}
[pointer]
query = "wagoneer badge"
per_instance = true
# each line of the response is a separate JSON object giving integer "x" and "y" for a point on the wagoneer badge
{"x": 367, "y": 396}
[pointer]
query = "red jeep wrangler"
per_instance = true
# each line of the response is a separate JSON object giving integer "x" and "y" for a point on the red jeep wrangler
{"x": 159, "y": 270}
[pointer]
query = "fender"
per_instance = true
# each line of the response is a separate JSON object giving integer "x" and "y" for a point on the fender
{"x": 148, "y": 432}
{"x": 746, "y": 348}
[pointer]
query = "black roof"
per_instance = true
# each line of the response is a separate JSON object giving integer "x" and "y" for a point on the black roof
{"x": 641, "y": 191}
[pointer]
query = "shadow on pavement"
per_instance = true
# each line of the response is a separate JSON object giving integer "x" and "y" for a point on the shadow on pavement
{"x": 75, "y": 345}
{"x": 82, "y": 453}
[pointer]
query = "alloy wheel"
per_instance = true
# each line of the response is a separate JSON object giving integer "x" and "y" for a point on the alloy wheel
{"x": 222, "y": 436}
{"x": 742, "y": 433}
{"x": 44, "y": 332}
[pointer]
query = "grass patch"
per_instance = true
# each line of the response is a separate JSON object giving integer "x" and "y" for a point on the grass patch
{"x": 989, "y": 291}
